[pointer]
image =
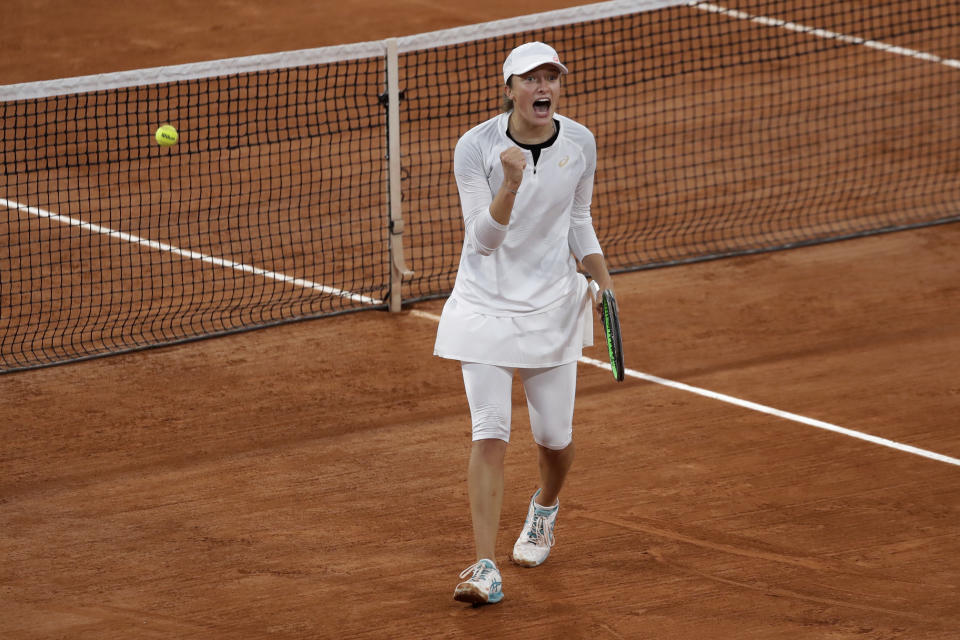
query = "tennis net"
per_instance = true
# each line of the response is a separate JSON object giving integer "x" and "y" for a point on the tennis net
{"x": 722, "y": 129}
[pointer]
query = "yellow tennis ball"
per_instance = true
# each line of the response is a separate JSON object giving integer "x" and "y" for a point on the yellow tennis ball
{"x": 167, "y": 136}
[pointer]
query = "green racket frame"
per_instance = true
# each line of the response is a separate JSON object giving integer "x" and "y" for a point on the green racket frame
{"x": 611, "y": 328}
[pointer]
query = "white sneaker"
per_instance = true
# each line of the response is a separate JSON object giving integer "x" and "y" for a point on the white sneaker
{"x": 533, "y": 545}
{"x": 483, "y": 587}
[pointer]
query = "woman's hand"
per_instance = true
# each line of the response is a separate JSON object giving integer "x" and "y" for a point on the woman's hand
{"x": 598, "y": 297}
{"x": 596, "y": 266}
{"x": 513, "y": 163}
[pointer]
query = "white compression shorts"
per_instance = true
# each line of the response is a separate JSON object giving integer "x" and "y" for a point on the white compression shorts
{"x": 550, "y": 396}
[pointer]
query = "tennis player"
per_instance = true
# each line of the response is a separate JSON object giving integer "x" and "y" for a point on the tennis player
{"x": 519, "y": 306}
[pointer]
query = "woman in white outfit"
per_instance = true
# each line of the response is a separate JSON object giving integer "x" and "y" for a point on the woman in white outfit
{"x": 519, "y": 305}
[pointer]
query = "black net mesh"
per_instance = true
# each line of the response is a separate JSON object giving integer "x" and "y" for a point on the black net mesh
{"x": 721, "y": 130}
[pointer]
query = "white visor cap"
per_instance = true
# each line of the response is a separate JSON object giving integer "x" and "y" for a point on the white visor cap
{"x": 529, "y": 56}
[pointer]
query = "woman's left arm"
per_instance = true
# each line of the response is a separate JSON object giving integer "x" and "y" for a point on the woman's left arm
{"x": 582, "y": 237}
{"x": 596, "y": 267}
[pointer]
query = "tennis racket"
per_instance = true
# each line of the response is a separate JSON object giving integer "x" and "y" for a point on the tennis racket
{"x": 611, "y": 329}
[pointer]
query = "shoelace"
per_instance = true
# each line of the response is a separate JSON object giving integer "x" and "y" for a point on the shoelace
{"x": 538, "y": 531}
{"x": 479, "y": 569}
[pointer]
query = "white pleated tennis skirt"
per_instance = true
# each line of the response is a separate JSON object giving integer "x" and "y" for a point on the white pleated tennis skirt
{"x": 546, "y": 339}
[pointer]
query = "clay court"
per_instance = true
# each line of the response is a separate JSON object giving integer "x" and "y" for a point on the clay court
{"x": 309, "y": 480}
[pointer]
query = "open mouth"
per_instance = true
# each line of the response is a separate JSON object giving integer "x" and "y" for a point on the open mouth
{"x": 541, "y": 107}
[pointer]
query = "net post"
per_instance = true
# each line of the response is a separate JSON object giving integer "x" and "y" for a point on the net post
{"x": 398, "y": 266}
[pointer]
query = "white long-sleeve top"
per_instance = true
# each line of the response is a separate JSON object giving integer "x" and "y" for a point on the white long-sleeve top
{"x": 525, "y": 267}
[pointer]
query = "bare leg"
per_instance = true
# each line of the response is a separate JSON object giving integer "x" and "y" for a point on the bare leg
{"x": 485, "y": 486}
{"x": 554, "y": 465}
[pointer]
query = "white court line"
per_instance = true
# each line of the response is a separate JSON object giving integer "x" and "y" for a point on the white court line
{"x": 824, "y": 33}
{"x": 786, "y": 415}
{"x": 753, "y": 406}
{"x": 186, "y": 253}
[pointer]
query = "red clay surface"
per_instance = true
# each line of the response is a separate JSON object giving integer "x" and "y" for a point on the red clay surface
{"x": 308, "y": 481}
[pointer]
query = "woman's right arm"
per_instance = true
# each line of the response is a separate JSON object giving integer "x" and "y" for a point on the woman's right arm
{"x": 486, "y": 219}
{"x": 513, "y": 164}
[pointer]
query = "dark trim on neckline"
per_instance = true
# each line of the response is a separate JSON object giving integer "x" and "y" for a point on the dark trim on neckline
{"x": 535, "y": 149}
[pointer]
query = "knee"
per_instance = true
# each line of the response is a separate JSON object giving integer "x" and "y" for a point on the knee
{"x": 490, "y": 451}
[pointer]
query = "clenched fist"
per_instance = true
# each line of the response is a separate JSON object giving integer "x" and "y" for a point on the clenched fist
{"x": 513, "y": 165}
